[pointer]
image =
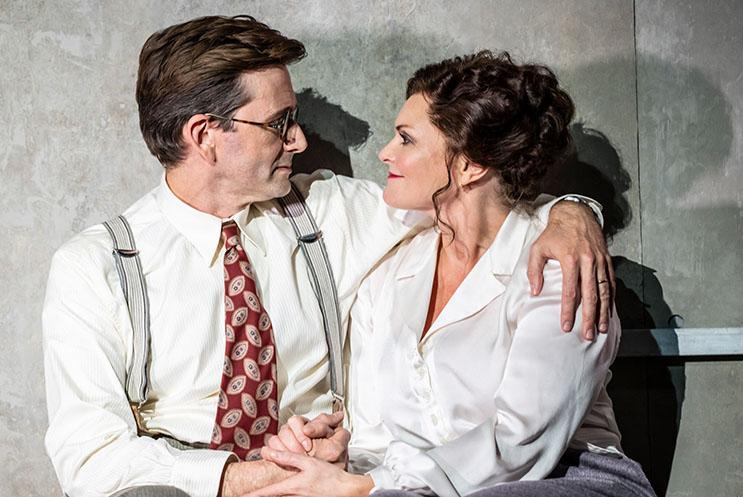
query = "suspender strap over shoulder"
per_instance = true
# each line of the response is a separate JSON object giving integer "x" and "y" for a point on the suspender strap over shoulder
{"x": 310, "y": 240}
{"x": 129, "y": 267}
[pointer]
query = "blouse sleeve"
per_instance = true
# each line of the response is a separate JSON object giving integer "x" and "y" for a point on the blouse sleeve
{"x": 369, "y": 437}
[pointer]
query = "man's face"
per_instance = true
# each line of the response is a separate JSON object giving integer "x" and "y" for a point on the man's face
{"x": 253, "y": 162}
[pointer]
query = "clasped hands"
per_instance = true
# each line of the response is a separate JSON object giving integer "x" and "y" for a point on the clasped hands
{"x": 323, "y": 438}
{"x": 317, "y": 451}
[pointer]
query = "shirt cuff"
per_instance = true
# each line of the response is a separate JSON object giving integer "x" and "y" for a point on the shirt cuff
{"x": 384, "y": 479}
{"x": 199, "y": 472}
{"x": 409, "y": 468}
{"x": 543, "y": 211}
{"x": 596, "y": 207}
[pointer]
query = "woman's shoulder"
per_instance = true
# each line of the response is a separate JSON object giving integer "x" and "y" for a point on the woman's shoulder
{"x": 518, "y": 285}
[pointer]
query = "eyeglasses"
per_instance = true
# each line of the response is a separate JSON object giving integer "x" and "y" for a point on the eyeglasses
{"x": 281, "y": 125}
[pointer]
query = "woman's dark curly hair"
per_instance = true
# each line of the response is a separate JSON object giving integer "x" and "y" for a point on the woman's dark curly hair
{"x": 508, "y": 117}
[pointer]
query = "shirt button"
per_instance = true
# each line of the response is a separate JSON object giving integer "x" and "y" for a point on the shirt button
{"x": 434, "y": 420}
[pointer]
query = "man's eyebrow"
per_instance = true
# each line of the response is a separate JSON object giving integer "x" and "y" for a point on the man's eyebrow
{"x": 278, "y": 114}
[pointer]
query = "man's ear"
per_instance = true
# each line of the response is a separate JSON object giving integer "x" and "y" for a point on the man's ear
{"x": 469, "y": 173}
{"x": 199, "y": 133}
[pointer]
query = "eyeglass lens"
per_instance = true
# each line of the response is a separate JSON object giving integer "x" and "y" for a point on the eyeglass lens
{"x": 290, "y": 118}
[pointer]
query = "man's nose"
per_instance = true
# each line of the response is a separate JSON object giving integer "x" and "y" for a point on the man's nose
{"x": 295, "y": 141}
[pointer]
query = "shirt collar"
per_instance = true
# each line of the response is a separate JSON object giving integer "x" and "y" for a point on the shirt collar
{"x": 503, "y": 253}
{"x": 507, "y": 247}
{"x": 203, "y": 230}
{"x": 422, "y": 251}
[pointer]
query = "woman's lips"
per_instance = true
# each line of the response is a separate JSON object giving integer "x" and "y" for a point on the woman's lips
{"x": 393, "y": 176}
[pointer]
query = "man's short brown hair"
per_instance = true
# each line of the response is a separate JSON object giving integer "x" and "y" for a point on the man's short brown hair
{"x": 195, "y": 67}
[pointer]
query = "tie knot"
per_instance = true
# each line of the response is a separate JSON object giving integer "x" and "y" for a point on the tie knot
{"x": 230, "y": 234}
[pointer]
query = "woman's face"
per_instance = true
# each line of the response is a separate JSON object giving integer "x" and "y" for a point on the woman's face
{"x": 416, "y": 158}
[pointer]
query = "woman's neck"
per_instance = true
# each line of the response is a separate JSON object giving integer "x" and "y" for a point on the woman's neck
{"x": 475, "y": 217}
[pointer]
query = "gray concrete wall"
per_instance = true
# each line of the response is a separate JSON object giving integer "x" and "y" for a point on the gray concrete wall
{"x": 669, "y": 175}
{"x": 690, "y": 110}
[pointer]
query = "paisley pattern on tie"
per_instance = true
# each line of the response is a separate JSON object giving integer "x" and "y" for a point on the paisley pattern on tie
{"x": 247, "y": 410}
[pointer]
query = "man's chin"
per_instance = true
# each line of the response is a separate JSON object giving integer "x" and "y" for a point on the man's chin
{"x": 283, "y": 187}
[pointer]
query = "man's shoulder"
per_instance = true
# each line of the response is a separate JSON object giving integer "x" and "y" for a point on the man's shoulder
{"x": 323, "y": 185}
{"x": 342, "y": 200}
{"x": 94, "y": 243}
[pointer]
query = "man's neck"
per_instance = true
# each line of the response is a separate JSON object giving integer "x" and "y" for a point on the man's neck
{"x": 202, "y": 193}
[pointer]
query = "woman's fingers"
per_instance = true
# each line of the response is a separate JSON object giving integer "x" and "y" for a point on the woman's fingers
{"x": 274, "y": 442}
{"x": 290, "y": 441}
{"x": 297, "y": 424}
{"x": 288, "y": 459}
{"x": 323, "y": 425}
{"x": 284, "y": 488}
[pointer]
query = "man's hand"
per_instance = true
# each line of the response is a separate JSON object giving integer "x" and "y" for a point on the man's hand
{"x": 314, "y": 478}
{"x": 240, "y": 477}
{"x": 574, "y": 238}
{"x": 323, "y": 438}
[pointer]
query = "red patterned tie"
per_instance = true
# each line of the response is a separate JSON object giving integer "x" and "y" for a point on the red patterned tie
{"x": 248, "y": 410}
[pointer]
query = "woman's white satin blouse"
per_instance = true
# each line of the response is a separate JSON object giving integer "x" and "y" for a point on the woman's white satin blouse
{"x": 494, "y": 392}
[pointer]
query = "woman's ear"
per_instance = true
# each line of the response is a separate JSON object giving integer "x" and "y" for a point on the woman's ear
{"x": 199, "y": 133}
{"x": 469, "y": 173}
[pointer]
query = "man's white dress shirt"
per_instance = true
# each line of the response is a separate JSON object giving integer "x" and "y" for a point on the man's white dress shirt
{"x": 92, "y": 437}
{"x": 494, "y": 392}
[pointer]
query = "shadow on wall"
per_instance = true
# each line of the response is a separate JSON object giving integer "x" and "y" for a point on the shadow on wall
{"x": 595, "y": 169}
{"x": 694, "y": 218}
{"x": 375, "y": 82}
{"x": 331, "y": 133}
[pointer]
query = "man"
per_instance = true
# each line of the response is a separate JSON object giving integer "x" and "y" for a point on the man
{"x": 217, "y": 109}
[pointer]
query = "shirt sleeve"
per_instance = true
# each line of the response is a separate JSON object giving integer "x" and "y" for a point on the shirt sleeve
{"x": 550, "y": 381}
{"x": 354, "y": 208}
{"x": 92, "y": 436}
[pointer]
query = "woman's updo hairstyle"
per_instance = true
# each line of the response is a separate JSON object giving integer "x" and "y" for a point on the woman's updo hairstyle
{"x": 508, "y": 117}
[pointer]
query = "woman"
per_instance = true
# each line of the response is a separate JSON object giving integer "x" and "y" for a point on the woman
{"x": 478, "y": 392}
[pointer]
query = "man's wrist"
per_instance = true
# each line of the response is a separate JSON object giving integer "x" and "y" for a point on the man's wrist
{"x": 594, "y": 207}
{"x": 223, "y": 482}
{"x": 240, "y": 477}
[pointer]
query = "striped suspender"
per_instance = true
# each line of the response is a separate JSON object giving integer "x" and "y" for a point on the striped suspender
{"x": 129, "y": 268}
{"x": 310, "y": 241}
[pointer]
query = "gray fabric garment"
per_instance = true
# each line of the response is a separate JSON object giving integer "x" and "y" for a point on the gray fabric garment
{"x": 579, "y": 473}
{"x": 151, "y": 491}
